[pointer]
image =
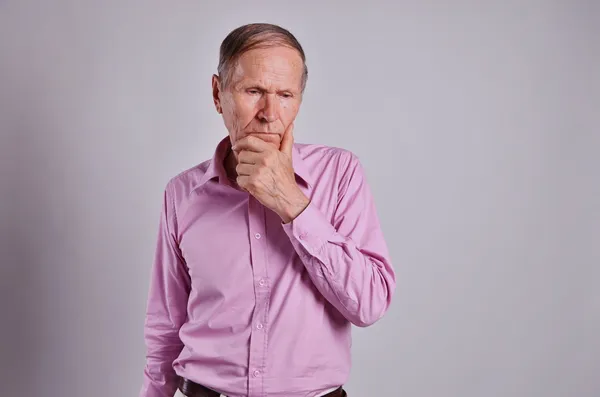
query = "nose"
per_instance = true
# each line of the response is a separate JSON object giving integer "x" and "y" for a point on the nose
{"x": 269, "y": 111}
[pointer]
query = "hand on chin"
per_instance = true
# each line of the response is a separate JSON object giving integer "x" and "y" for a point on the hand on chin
{"x": 270, "y": 138}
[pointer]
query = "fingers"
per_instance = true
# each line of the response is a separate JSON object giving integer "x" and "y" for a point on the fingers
{"x": 288, "y": 140}
{"x": 251, "y": 143}
{"x": 244, "y": 169}
{"x": 242, "y": 181}
{"x": 248, "y": 157}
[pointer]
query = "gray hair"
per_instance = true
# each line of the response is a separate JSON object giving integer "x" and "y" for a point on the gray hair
{"x": 250, "y": 36}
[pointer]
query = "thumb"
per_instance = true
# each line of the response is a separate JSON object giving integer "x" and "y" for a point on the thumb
{"x": 287, "y": 141}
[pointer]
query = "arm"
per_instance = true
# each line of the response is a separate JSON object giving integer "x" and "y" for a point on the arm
{"x": 348, "y": 261}
{"x": 166, "y": 308}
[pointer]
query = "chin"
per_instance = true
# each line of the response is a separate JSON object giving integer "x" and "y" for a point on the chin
{"x": 272, "y": 138}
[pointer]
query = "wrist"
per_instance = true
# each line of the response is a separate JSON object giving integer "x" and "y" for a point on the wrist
{"x": 294, "y": 207}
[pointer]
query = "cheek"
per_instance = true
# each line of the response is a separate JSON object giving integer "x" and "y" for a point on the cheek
{"x": 244, "y": 113}
{"x": 231, "y": 116}
{"x": 290, "y": 108}
{"x": 243, "y": 108}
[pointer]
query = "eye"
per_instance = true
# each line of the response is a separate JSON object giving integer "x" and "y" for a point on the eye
{"x": 286, "y": 95}
{"x": 253, "y": 91}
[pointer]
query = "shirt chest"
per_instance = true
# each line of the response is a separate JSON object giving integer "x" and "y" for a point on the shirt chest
{"x": 232, "y": 242}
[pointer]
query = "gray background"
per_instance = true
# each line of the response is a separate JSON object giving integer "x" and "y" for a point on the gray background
{"x": 478, "y": 125}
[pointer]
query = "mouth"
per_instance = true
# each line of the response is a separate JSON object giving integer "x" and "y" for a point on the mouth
{"x": 262, "y": 133}
{"x": 266, "y": 136}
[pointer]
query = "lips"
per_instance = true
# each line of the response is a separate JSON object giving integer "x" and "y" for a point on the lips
{"x": 266, "y": 136}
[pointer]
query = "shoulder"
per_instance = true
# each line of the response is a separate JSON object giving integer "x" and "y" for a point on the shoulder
{"x": 334, "y": 164}
{"x": 317, "y": 154}
{"x": 181, "y": 185}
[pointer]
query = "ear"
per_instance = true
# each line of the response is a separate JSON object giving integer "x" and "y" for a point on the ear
{"x": 216, "y": 90}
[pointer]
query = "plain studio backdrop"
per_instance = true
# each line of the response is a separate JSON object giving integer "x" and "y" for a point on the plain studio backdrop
{"x": 478, "y": 126}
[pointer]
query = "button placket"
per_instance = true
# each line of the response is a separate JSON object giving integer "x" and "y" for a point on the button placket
{"x": 262, "y": 292}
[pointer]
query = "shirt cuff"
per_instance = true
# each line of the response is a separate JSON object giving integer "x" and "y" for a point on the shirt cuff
{"x": 310, "y": 229}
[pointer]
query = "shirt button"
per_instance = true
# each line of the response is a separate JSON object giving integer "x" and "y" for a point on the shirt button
{"x": 256, "y": 373}
{"x": 259, "y": 326}
{"x": 257, "y": 235}
{"x": 262, "y": 282}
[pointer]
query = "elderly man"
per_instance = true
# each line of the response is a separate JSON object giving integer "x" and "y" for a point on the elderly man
{"x": 266, "y": 253}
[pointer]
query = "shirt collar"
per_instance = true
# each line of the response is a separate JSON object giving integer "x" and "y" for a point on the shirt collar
{"x": 216, "y": 167}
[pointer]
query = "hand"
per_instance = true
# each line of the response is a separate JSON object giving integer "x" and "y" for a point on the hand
{"x": 268, "y": 175}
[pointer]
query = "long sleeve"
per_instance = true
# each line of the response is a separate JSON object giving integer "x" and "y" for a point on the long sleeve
{"x": 166, "y": 307}
{"x": 347, "y": 259}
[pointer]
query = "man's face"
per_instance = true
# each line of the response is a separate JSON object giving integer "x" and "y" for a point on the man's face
{"x": 264, "y": 94}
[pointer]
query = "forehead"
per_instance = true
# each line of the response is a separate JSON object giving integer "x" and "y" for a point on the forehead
{"x": 269, "y": 66}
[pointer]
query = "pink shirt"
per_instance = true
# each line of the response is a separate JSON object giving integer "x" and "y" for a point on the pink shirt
{"x": 248, "y": 306}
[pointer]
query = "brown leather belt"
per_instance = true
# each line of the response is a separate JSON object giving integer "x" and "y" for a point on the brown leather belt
{"x": 192, "y": 389}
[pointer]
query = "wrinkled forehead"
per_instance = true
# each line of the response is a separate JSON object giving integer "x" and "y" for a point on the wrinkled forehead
{"x": 269, "y": 66}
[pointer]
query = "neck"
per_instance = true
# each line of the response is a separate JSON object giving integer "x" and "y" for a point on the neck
{"x": 230, "y": 163}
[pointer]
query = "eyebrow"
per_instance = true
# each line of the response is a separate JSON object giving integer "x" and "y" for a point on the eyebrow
{"x": 249, "y": 85}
